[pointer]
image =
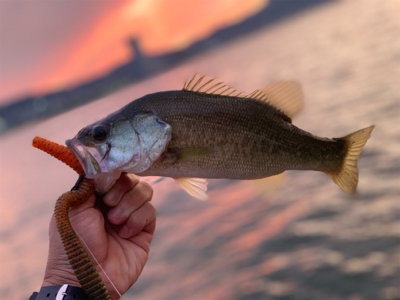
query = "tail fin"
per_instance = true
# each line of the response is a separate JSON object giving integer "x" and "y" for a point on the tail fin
{"x": 347, "y": 177}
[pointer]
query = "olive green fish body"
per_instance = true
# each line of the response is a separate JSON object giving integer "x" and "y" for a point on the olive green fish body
{"x": 236, "y": 138}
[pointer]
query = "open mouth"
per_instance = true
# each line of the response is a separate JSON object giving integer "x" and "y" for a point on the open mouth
{"x": 87, "y": 159}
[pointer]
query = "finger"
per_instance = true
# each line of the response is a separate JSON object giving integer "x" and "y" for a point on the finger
{"x": 125, "y": 183}
{"x": 142, "y": 219}
{"x": 130, "y": 202}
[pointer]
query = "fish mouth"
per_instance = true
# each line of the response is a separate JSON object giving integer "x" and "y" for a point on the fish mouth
{"x": 87, "y": 159}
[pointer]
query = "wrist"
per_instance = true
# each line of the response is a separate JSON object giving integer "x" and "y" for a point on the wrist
{"x": 60, "y": 276}
{"x": 58, "y": 270}
{"x": 60, "y": 280}
{"x": 64, "y": 292}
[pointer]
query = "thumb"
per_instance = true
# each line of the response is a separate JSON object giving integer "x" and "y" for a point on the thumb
{"x": 88, "y": 204}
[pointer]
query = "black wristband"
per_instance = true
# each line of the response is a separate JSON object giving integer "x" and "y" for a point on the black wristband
{"x": 65, "y": 292}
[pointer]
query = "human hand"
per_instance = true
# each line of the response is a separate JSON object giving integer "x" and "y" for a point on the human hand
{"x": 120, "y": 242}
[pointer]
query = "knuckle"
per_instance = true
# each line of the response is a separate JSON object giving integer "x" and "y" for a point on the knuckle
{"x": 132, "y": 178}
{"x": 151, "y": 209}
{"x": 145, "y": 190}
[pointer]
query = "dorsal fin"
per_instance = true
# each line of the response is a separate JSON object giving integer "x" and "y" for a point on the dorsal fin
{"x": 258, "y": 95}
{"x": 211, "y": 86}
{"x": 285, "y": 96}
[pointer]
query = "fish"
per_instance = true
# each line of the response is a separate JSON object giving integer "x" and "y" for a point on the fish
{"x": 211, "y": 130}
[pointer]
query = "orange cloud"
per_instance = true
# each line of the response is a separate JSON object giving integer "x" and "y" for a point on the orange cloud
{"x": 160, "y": 26}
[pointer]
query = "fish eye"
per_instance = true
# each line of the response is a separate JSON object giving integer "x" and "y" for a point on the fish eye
{"x": 99, "y": 133}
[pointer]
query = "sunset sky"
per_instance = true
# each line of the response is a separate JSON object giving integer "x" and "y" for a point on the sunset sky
{"x": 306, "y": 239}
{"x": 47, "y": 46}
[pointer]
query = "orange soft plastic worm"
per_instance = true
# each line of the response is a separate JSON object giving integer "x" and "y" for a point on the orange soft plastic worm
{"x": 79, "y": 260}
{"x": 60, "y": 152}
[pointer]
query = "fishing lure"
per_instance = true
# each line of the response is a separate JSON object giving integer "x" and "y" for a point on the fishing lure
{"x": 78, "y": 257}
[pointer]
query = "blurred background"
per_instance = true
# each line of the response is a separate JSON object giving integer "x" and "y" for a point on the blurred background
{"x": 65, "y": 64}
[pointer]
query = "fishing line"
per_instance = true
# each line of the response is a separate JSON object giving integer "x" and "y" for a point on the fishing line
{"x": 97, "y": 262}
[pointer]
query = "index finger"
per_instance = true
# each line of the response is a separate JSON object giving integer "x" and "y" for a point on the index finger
{"x": 125, "y": 183}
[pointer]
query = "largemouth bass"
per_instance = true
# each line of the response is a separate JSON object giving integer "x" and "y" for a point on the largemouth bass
{"x": 209, "y": 130}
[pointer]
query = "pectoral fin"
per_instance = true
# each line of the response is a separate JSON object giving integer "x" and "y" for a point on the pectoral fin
{"x": 185, "y": 154}
{"x": 196, "y": 187}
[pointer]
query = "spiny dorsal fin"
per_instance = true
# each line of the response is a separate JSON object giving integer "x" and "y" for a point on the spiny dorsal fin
{"x": 258, "y": 95}
{"x": 286, "y": 96}
{"x": 211, "y": 86}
